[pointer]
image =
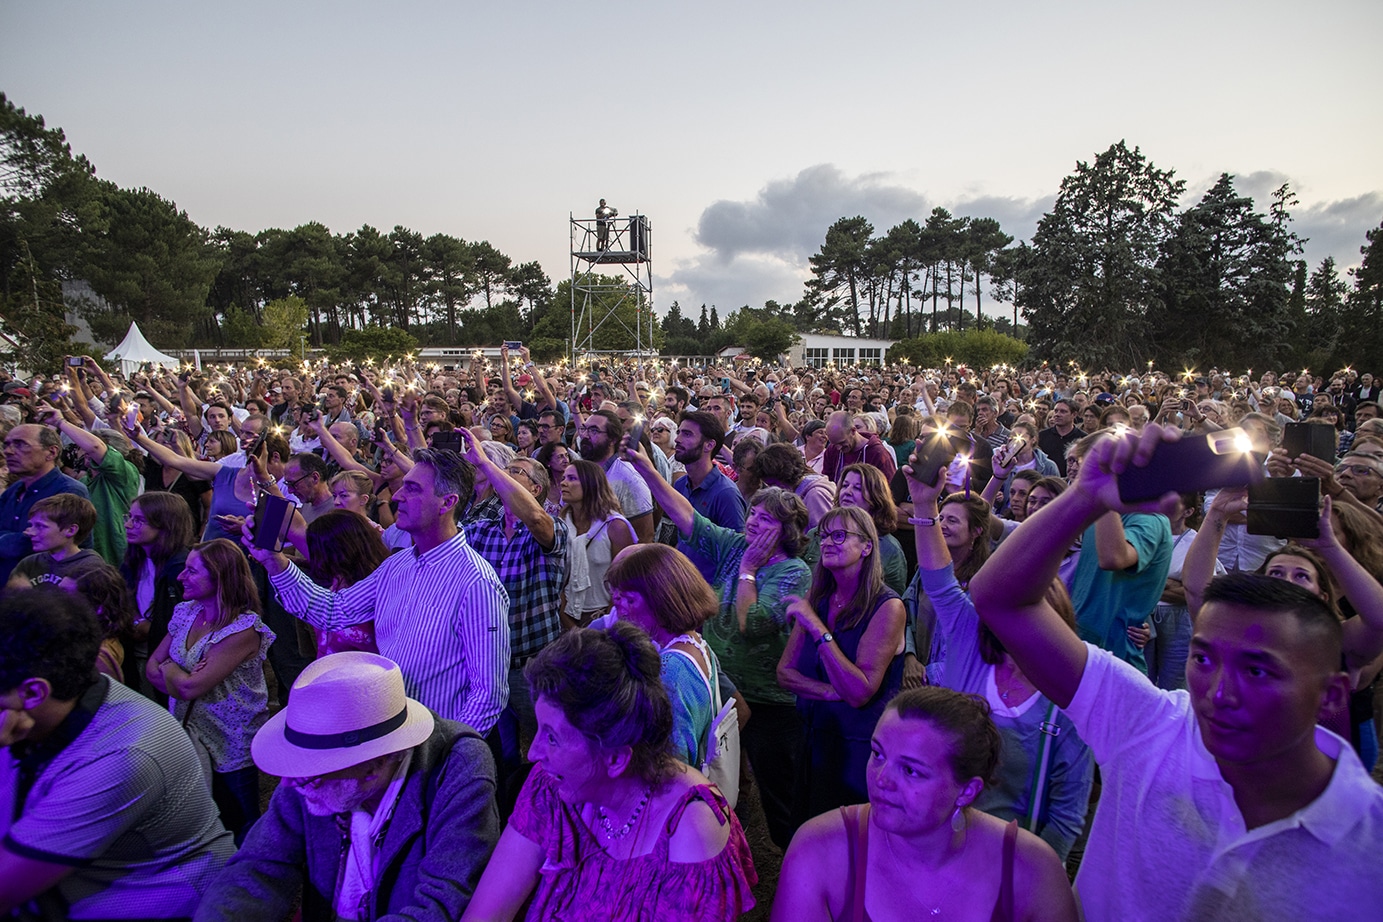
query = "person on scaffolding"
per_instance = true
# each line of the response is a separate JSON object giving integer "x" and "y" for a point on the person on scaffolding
{"x": 604, "y": 215}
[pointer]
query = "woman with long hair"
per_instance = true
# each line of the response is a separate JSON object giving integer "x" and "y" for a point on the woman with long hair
{"x": 554, "y": 456}
{"x": 844, "y": 661}
{"x": 863, "y": 486}
{"x": 609, "y": 824}
{"x": 211, "y": 665}
{"x": 343, "y": 547}
{"x": 161, "y": 478}
{"x": 599, "y": 531}
{"x": 158, "y": 535}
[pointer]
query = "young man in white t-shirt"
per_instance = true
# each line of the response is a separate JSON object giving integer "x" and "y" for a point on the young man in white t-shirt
{"x": 1222, "y": 802}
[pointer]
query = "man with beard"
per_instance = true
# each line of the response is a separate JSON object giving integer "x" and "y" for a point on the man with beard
{"x": 385, "y": 808}
{"x": 600, "y": 436}
{"x": 711, "y": 493}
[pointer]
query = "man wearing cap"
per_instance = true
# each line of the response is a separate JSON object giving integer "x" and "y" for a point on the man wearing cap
{"x": 385, "y": 808}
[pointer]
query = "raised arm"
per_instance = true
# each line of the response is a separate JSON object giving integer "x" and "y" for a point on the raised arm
{"x": 546, "y": 398}
{"x": 674, "y": 505}
{"x": 1016, "y": 610}
{"x": 1199, "y": 566}
{"x": 1363, "y": 635}
{"x": 517, "y": 501}
{"x": 785, "y": 426}
{"x": 88, "y": 442}
{"x": 195, "y": 468}
{"x": 191, "y": 407}
{"x": 507, "y": 381}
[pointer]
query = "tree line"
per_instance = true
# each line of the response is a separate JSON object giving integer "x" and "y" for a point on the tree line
{"x": 148, "y": 261}
{"x": 1115, "y": 274}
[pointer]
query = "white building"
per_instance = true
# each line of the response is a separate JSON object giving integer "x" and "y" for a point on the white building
{"x": 818, "y": 350}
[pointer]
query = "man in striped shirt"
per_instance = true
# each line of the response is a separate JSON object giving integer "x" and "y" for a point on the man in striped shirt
{"x": 440, "y": 611}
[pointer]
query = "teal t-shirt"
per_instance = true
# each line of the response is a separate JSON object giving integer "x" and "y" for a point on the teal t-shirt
{"x": 1108, "y": 601}
{"x": 113, "y": 485}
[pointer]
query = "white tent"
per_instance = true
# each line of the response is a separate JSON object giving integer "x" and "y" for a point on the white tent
{"x": 134, "y": 350}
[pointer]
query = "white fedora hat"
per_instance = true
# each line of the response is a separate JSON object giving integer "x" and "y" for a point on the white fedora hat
{"x": 345, "y": 709}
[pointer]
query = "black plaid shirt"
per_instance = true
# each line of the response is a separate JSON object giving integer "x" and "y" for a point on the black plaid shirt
{"x": 533, "y": 576}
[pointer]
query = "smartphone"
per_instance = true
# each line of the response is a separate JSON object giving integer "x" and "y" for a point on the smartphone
{"x": 1314, "y": 439}
{"x": 513, "y": 345}
{"x": 938, "y": 450}
{"x": 636, "y": 435}
{"x": 387, "y": 394}
{"x": 273, "y": 516}
{"x": 725, "y": 385}
{"x": 75, "y": 361}
{"x": 1193, "y": 465}
{"x": 132, "y": 418}
{"x": 1286, "y": 507}
{"x": 254, "y": 446}
{"x": 446, "y": 441}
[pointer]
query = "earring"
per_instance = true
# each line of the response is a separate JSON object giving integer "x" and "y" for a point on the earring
{"x": 958, "y": 819}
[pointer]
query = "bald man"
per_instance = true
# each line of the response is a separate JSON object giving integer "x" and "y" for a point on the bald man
{"x": 847, "y": 445}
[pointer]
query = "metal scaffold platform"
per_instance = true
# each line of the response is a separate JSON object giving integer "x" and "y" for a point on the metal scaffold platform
{"x": 611, "y": 286}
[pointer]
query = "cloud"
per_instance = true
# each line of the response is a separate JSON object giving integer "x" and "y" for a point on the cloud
{"x": 789, "y": 217}
{"x": 756, "y": 250}
{"x": 1337, "y": 228}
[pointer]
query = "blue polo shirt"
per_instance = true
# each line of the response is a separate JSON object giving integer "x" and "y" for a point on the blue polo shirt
{"x": 718, "y": 499}
{"x": 15, "y": 504}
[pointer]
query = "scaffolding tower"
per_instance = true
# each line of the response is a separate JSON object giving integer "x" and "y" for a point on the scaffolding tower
{"x": 599, "y": 300}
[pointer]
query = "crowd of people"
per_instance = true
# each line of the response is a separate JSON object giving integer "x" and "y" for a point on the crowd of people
{"x": 529, "y": 641}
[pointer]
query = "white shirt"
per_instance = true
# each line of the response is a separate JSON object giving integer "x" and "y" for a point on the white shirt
{"x": 442, "y": 616}
{"x": 1169, "y": 842}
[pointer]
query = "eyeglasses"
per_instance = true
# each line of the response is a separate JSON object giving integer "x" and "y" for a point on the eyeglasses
{"x": 519, "y": 472}
{"x": 839, "y": 535}
{"x": 298, "y": 480}
{"x": 132, "y": 519}
{"x": 591, "y": 430}
{"x": 1358, "y": 470}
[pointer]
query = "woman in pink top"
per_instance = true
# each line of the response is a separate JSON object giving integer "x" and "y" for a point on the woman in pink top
{"x": 609, "y": 826}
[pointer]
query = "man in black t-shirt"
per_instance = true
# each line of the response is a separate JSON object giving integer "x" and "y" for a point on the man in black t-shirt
{"x": 1062, "y": 432}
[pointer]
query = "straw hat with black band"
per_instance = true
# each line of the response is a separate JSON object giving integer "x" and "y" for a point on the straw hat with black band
{"x": 346, "y": 709}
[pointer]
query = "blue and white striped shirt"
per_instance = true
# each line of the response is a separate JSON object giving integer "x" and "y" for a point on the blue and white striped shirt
{"x": 442, "y": 616}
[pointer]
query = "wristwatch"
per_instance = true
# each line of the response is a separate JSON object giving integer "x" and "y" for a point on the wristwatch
{"x": 825, "y": 639}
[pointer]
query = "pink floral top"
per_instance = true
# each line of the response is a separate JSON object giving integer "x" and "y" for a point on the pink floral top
{"x": 579, "y": 880}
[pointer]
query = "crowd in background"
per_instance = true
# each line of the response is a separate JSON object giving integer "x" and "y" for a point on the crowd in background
{"x": 577, "y": 582}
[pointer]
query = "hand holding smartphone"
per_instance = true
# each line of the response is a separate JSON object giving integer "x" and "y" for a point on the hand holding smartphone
{"x": 1193, "y": 464}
